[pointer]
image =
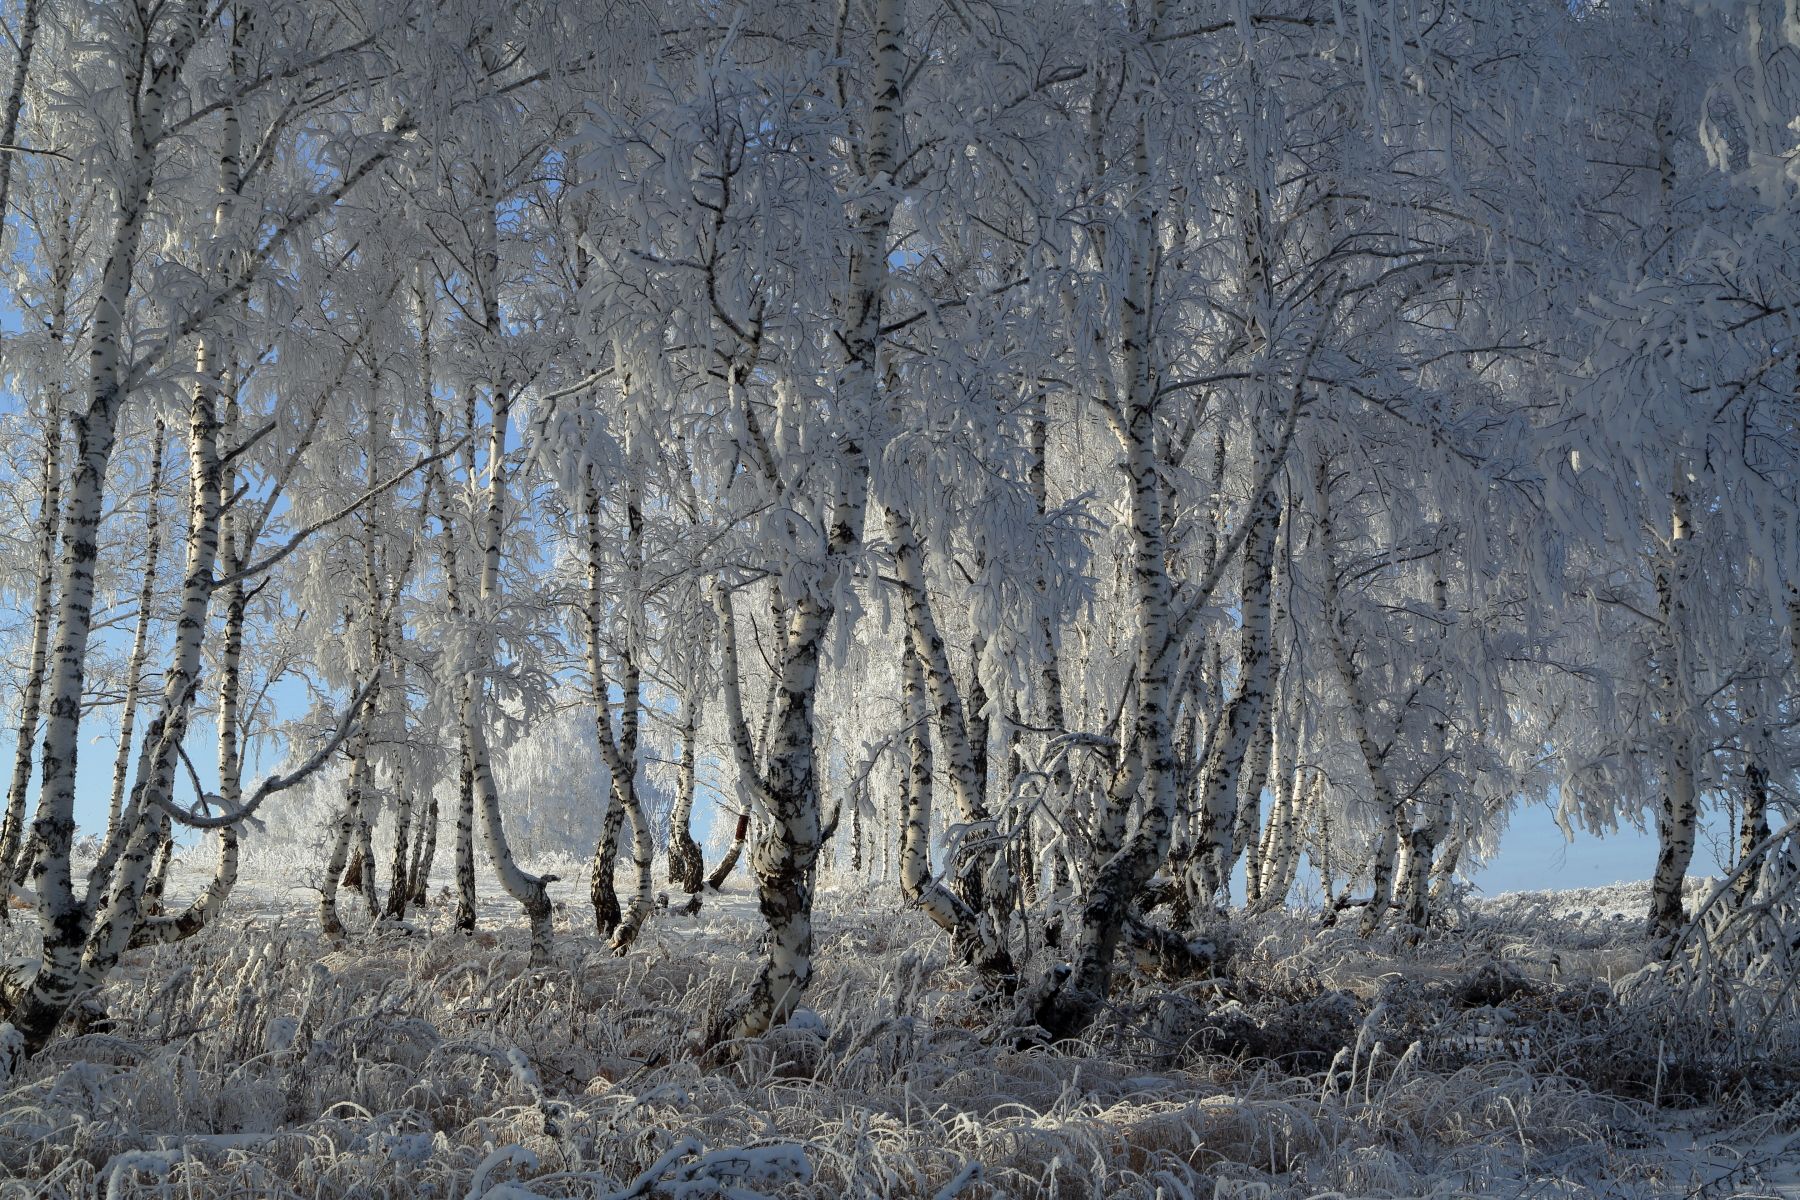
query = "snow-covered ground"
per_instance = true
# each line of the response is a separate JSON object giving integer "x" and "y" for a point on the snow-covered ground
{"x": 1494, "y": 1059}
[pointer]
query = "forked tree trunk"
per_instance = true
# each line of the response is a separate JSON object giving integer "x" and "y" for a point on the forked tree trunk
{"x": 1434, "y": 822}
{"x": 621, "y": 750}
{"x": 1146, "y": 763}
{"x": 1285, "y": 862}
{"x": 1387, "y": 806}
{"x": 1260, "y": 857}
{"x": 425, "y": 851}
{"x": 1246, "y": 832}
{"x": 916, "y": 884}
{"x": 1215, "y": 850}
{"x": 36, "y": 1007}
{"x": 156, "y": 928}
{"x": 930, "y": 661}
{"x": 784, "y": 857}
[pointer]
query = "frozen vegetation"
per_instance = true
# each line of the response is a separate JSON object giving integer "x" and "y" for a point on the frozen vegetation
{"x": 1506, "y": 1054}
{"x": 748, "y": 598}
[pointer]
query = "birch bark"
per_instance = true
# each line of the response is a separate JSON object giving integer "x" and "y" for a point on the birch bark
{"x": 36, "y": 1007}
{"x": 1146, "y": 764}
{"x": 1678, "y": 813}
{"x": 530, "y": 891}
{"x": 30, "y": 704}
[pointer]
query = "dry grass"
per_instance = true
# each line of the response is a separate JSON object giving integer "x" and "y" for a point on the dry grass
{"x": 257, "y": 1062}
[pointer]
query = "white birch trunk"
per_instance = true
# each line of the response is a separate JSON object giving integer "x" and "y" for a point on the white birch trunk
{"x": 1146, "y": 767}
{"x": 427, "y": 852}
{"x": 531, "y": 891}
{"x": 1434, "y": 820}
{"x": 932, "y": 661}
{"x": 331, "y": 923}
{"x": 916, "y": 883}
{"x": 463, "y": 847}
{"x": 1678, "y": 814}
{"x": 784, "y": 859}
{"x": 30, "y": 705}
{"x": 400, "y": 887}
{"x": 140, "y": 639}
{"x": 1215, "y": 848}
{"x": 686, "y": 864}
{"x": 208, "y": 534}
{"x": 1246, "y": 834}
{"x": 117, "y": 921}
{"x": 1387, "y": 807}
{"x": 26, "y": 40}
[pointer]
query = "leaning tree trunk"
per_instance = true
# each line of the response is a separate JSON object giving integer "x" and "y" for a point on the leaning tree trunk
{"x": 26, "y": 40}
{"x": 158, "y": 929}
{"x": 931, "y": 662}
{"x": 11, "y": 833}
{"x": 125, "y": 878}
{"x": 738, "y": 730}
{"x": 338, "y": 865}
{"x": 1753, "y": 822}
{"x": 740, "y": 834}
{"x": 944, "y": 908}
{"x": 1214, "y": 850}
{"x": 603, "y": 890}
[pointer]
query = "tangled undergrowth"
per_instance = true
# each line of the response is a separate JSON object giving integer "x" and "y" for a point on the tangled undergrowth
{"x": 1495, "y": 1059}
